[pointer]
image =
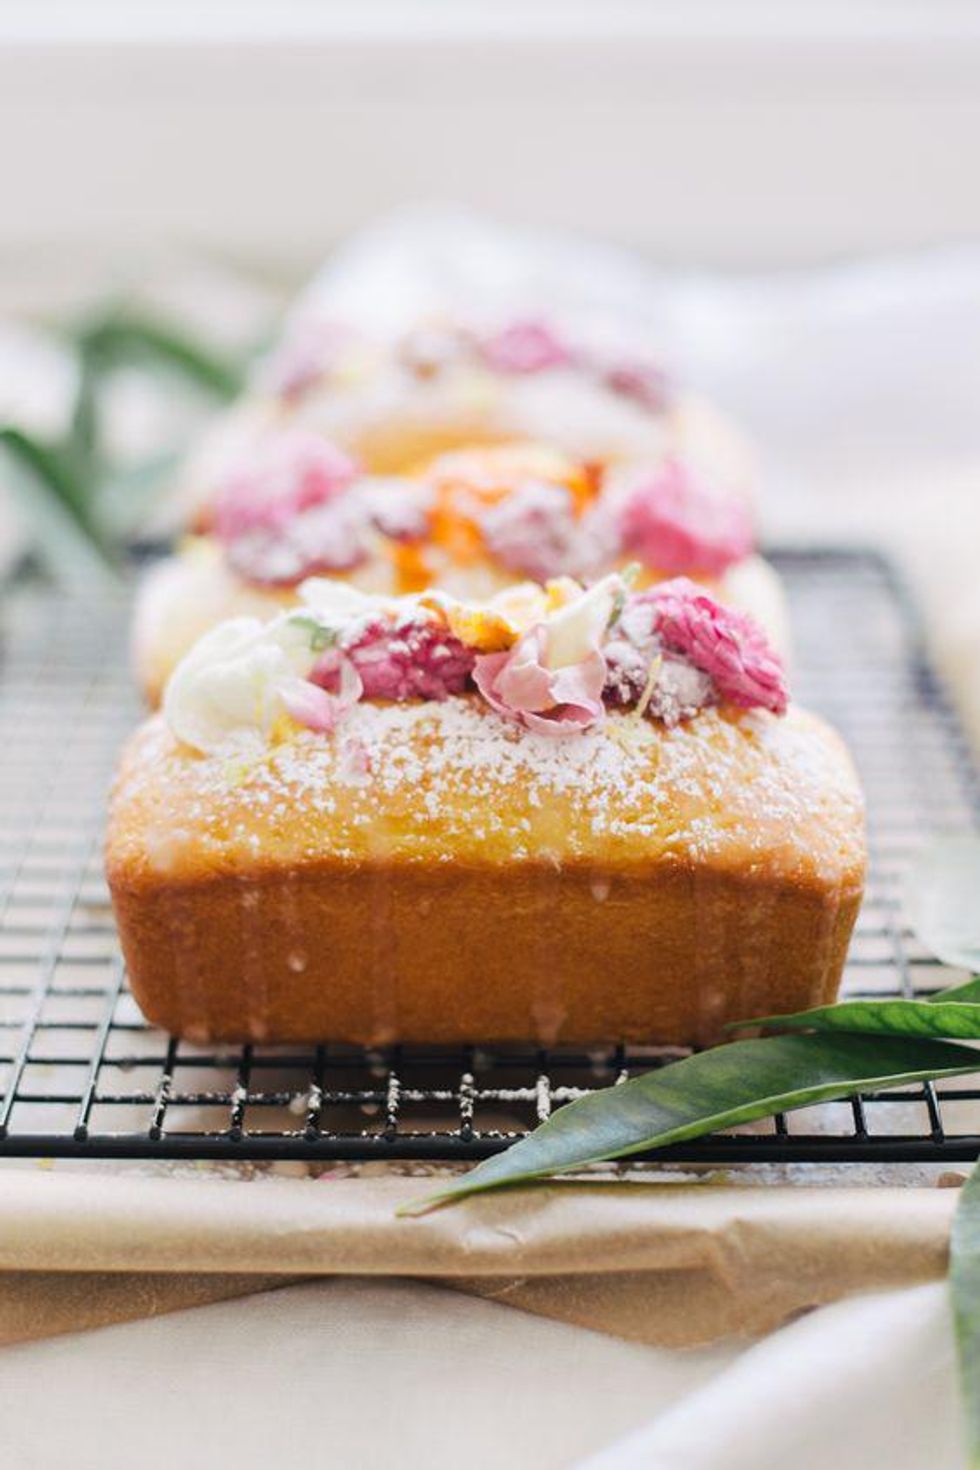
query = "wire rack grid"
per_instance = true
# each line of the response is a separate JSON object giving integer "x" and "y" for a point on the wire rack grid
{"x": 82, "y": 1074}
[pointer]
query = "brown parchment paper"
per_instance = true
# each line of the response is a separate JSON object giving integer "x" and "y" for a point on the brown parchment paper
{"x": 669, "y": 1264}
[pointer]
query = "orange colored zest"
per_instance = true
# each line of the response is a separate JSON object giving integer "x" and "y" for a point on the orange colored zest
{"x": 411, "y": 566}
{"x": 467, "y": 480}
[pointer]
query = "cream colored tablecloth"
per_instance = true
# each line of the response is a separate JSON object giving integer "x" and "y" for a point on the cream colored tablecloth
{"x": 363, "y": 1374}
{"x": 491, "y": 1365}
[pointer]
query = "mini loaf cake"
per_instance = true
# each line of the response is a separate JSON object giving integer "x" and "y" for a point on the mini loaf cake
{"x": 564, "y": 815}
{"x": 469, "y": 522}
{"x": 397, "y": 400}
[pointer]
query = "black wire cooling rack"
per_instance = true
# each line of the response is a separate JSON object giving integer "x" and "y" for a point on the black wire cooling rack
{"x": 82, "y": 1074}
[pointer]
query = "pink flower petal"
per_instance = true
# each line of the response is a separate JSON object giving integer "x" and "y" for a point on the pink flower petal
{"x": 644, "y": 382}
{"x": 565, "y": 720}
{"x": 721, "y": 641}
{"x": 287, "y": 472}
{"x": 316, "y": 707}
{"x": 554, "y": 702}
{"x": 528, "y": 346}
{"x": 675, "y": 523}
{"x": 417, "y": 658}
{"x": 485, "y": 672}
{"x": 523, "y": 683}
{"x": 580, "y": 684}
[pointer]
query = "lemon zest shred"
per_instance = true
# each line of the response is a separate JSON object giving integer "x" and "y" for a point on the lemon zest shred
{"x": 648, "y": 688}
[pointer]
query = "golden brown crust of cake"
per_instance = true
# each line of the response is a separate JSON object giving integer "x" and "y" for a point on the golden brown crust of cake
{"x": 432, "y": 874}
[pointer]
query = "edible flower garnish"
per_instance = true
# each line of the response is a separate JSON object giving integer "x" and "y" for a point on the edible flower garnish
{"x": 720, "y": 641}
{"x": 552, "y": 680}
{"x": 297, "y": 505}
{"x": 644, "y": 382}
{"x": 525, "y": 346}
{"x": 320, "y": 702}
{"x": 672, "y": 520}
{"x": 486, "y": 627}
{"x": 551, "y": 659}
{"x": 285, "y": 472}
{"x": 400, "y": 647}
{"x": 237, "y": 682}
{"x": 467, "y": 358}
{"x": 409, "y": 657}
{"x": 553, "y": 701}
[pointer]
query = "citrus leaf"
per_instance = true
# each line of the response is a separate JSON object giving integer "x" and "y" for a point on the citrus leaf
{"x": 943, "y": 900}
{"x": 124, "y": 337}
{"x": 50, "y": 469}
{"x": 737, "y": 1083}
{"x": 968, "y": 993}
{"x": 953, "y": 1012}
{"x": 964, "y": 1282}
{"x": 938, "y": 1016}
{"x": 51, "y": 498}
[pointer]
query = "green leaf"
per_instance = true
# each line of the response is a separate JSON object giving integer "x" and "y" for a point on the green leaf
{"x": 964, "y": 1281}
{"x": 938, "y": 1016}
{"x": 943, "y": 900}
{"x": 968, "y": 993}
{"x": 953, "y": 1012}
{"x": 321, "y": 636}
{"x": 53, "y": 500}
{"x": 737, "y": 1083}
{"x": 51, "y": 469}
{"x": 120, "y": 337}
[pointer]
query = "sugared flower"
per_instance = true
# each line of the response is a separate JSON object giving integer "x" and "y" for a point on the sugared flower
{"x": 298, "y": 507}
{"x": 534, "y": 531}
{"x": 551, "y": 659}
{"x": 519, "y": 686}
{"x": 721, "y": 641}
{"x": 673, "y": 521}
{"x": 396, "y": 507}
{"x": 643, "y": 382}
{"x": 231, "y": 688}
{"x": 322, "y": 704}
{"x": 525, "y": 346}
{"x": 552, "y": 679}
{"x": 408, "y": 657}
{"x": 327, "y": 538}
{"x": 488, "y": 627}
{"x": 284, "y": 473}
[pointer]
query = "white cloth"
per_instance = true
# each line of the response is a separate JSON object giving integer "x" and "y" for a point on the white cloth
{"x": 869, "y": 1381}
{"x": 349, "y": 1373}
{"x": 363, "y": 1374}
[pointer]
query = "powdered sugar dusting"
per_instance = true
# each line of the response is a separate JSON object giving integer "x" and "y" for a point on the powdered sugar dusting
{"x": 453, "y": 782}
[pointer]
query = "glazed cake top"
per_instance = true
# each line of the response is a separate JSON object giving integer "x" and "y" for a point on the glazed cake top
{"x": 453, "y": 782}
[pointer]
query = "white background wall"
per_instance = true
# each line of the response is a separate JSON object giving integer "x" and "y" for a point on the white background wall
{"x": 714, "y": 131}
